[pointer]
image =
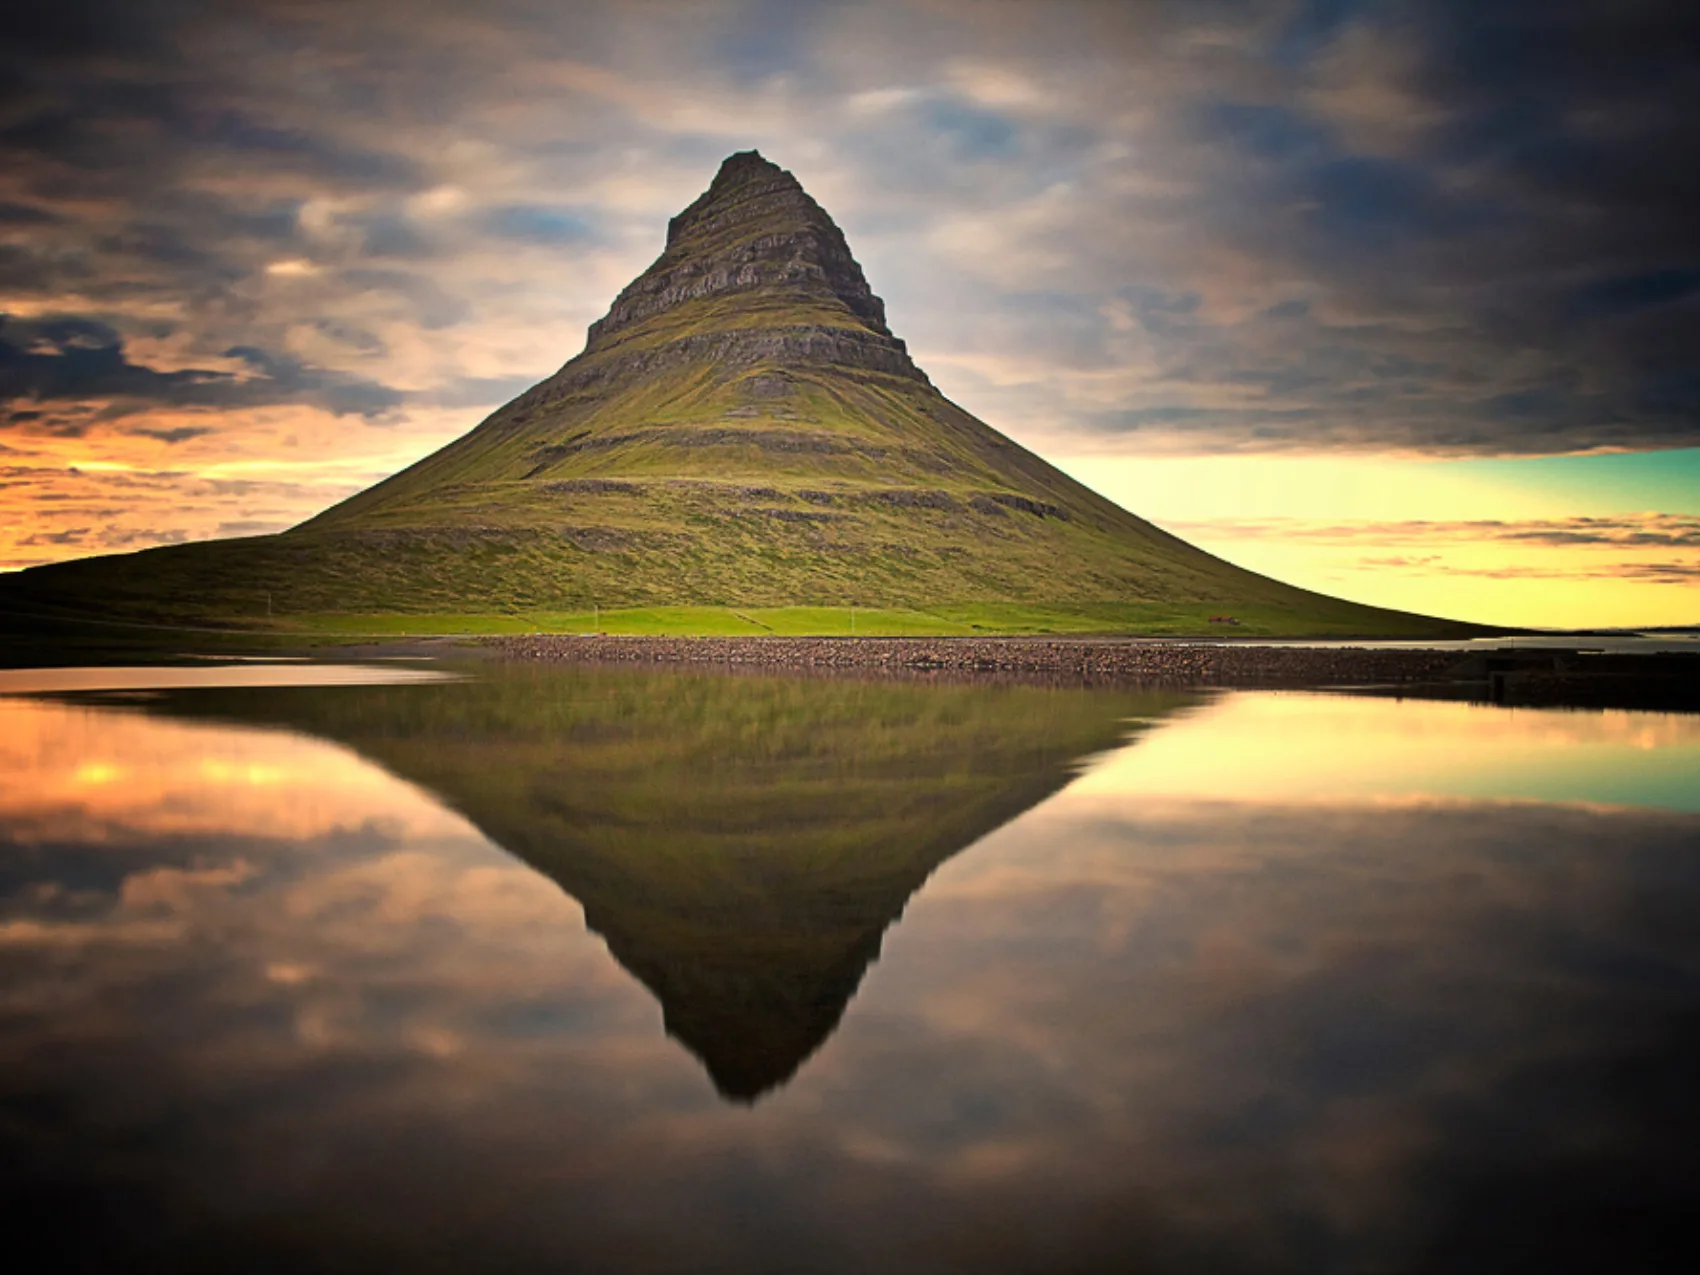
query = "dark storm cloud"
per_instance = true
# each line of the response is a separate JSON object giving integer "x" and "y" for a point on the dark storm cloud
{"x": 1442, "y": 225}
{"x": 69, "y": 536}
{"x": 1538, "y": 213}
{"x": 80, "y": 359}
{"x": 24, "y": 215}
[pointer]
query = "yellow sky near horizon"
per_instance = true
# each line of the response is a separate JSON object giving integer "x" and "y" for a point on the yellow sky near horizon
{"x": 1434, "y": 536}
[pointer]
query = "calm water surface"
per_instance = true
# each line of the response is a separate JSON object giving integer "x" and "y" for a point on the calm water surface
{"x": 582, "y": 971}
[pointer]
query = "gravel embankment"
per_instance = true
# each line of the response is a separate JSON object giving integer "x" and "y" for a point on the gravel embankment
{"x": 1088, "y": 660}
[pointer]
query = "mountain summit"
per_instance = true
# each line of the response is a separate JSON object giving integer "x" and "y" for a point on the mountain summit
{"x": 755, "y": 233}
{"x": 742, "y": 429}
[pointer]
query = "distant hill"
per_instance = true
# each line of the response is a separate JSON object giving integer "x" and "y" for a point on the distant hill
{"x": 741, "y": 430}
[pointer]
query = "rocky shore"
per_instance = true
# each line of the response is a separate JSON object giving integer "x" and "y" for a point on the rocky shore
{"x": 1078, "y": 659}
{"x": 1576, "y": 678}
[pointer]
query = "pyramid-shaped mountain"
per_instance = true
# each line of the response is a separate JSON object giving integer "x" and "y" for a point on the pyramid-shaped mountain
{"x": 741, "y": 429}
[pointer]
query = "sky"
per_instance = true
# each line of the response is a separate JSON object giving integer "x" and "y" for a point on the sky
{"x": 1400, "y": 301}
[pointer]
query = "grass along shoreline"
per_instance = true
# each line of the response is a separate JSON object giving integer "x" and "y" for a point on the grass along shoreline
{"x": 991, "y": 619}
{"x": 35, "y": 635}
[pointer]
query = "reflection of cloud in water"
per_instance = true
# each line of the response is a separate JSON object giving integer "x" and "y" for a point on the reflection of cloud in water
{"x": 249, "y": 673}
{"x": 1348, "y": 1016}
{"x": 1159, "y": 1033}
{"x": 98, "y": 776}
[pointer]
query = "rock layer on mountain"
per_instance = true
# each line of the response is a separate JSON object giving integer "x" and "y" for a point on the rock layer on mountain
{"x": 756, "y": 230}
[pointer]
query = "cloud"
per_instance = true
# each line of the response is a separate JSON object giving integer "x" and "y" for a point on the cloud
{"x": 104, "y": 539}
{"x": 1401, "y": 561}
{"x": 24, "y": 215}
{"x": 537, "y": 224}
{"x": 1663, "y": 572}
{"x": 177, "y": 434}
{"x": 1548, "y": 571}
{"x": 80, "y": 360}
{"x": 1675, "y": 572}
{"x": 1628, "y": 531}
{"x": 261, "y": 470}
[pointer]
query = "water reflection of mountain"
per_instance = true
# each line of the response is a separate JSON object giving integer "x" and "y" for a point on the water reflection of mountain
{"x": 741, "y": 843}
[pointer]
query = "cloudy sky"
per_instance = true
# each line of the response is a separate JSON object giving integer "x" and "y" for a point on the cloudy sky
{"x": 1397, "y": 300}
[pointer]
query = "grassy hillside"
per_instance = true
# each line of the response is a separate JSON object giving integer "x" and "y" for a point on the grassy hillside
{"x": 818, "y": 488}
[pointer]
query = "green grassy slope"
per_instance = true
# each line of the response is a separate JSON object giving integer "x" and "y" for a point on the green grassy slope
{"x": 689, "y": 490}
{"x": 741, "y": 432}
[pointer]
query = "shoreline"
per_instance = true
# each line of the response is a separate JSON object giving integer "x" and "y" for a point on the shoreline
{"x": 1512, "y": 676}
{"x": 1097, "y": 659}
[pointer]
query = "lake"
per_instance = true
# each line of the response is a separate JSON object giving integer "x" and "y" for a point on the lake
{"x": 405, "y": 967}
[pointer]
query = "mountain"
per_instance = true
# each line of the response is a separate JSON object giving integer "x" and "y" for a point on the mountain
{"x": 741, "y": 843}
{"x": 741, "y": 430}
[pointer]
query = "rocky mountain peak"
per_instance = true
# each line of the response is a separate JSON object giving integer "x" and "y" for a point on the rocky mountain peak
{"x": 754, "y": 253}
{"x": 748, "y": 188}
{"x": 742, "y": 168}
